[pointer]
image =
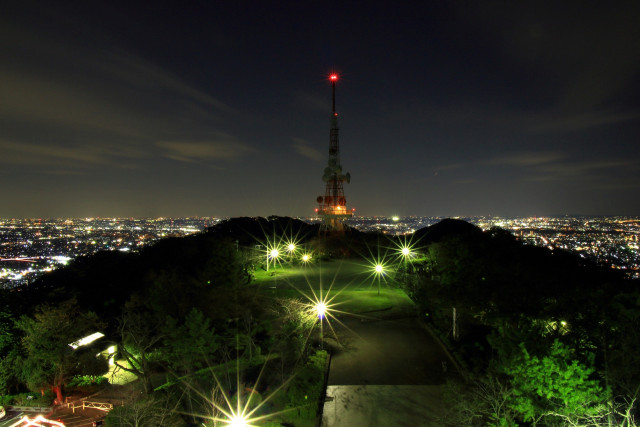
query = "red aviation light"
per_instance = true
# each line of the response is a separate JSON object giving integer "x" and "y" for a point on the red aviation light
{"x": 333, "y": 77}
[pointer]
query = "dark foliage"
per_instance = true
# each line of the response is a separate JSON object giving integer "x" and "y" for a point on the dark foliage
{"x": 445, "y": 229}
{"x": 568, "y": 313}
{"x": 247, "y": 231}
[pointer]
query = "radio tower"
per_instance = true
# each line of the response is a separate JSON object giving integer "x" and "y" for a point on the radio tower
{"x": 332, "y": 207}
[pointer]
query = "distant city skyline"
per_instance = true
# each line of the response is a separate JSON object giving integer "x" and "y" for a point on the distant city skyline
{"x": 113, "y": 109}
{"x": 31, "y": 248}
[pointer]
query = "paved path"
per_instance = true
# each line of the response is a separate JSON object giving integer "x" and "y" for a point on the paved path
{"x": 386, "y": 352}
{"x": 387, "y": 372}
{"x": 383, "y": 405}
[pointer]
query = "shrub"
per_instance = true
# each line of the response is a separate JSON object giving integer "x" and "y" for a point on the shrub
{"x": 87, "y": 380}
{"x": 28, "y": 399}
{"x": 306, "y": 388}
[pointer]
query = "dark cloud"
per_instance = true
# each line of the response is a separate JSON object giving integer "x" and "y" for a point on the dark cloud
{"x": 446, "y": 108}
{"x": 225, "y": 147}
{"x": 305, "y": 149}
{"x": 527, "y": 159}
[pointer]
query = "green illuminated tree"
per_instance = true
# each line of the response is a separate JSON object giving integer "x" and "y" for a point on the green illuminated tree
{"x": 555, "y": 386}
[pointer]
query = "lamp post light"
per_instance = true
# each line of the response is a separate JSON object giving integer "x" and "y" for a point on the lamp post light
{"x": 321, "y": 309}
{"x": 291, "y": 250}
{"x": 237, "y": 421}
{"x": 272, "y": 254}
{"x": 379, "y": 269}
{"x": 406, "y": 253}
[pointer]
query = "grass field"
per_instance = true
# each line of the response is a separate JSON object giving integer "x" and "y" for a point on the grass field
{"x": 350, "y": 285}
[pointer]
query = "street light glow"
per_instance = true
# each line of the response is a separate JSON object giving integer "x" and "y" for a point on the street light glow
{"x": 306, "y": 258}
{"x": 238, "y": 421}
{"x": 291, "y": 247}
{"x": 274, "y": 253}
{"x": 321, "y": 308}
{"x": 406, "y": 251}
{"x": 379, "y": 268}
{"x": 36, "y": 422}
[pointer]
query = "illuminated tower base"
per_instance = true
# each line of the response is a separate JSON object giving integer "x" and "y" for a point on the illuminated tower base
{"x": 332, "y": 207}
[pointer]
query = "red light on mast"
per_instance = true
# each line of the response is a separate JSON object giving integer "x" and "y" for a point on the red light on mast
{"x": 333, "y": 77}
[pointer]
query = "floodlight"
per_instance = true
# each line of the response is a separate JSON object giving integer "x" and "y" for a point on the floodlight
{"x": 238, "y": 421}
{"x": 321, "y": 309}
{"x": 86, "y": 340}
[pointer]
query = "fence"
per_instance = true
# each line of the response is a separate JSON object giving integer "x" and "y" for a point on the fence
{"x": 86, "y": 405}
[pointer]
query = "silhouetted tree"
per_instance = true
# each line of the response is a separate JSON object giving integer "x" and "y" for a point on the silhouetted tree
{"x": 139, "y": 335}
{"x": 50, "y": 360}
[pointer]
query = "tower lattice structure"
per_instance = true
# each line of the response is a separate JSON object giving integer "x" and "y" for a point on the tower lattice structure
{"x": 332, "y": 207}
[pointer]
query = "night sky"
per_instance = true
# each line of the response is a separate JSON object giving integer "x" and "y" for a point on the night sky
{"x": 222, "y": 108}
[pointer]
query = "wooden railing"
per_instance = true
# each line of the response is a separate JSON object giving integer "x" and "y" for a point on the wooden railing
{"x": 86, "y": 405}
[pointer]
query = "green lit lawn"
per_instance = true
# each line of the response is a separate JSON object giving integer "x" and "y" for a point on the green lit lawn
{"x": 349, "y": 284}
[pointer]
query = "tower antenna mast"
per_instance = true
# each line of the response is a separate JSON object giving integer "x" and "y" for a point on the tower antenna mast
{"x": 332, "y": 207}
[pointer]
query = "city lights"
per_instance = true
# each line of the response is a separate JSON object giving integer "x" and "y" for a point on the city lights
{"x": 34, "y": 247}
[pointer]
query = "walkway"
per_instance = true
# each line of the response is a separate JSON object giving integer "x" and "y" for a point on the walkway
{"x": 386, "y": 372}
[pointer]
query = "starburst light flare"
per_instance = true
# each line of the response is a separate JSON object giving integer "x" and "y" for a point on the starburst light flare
{"x": 321, "y": 309}
{"x": 273, "y": 252}
{"x": 245, "y": 411}
{"x": 405, "y": 248}
{"x": 238, "y": 421}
